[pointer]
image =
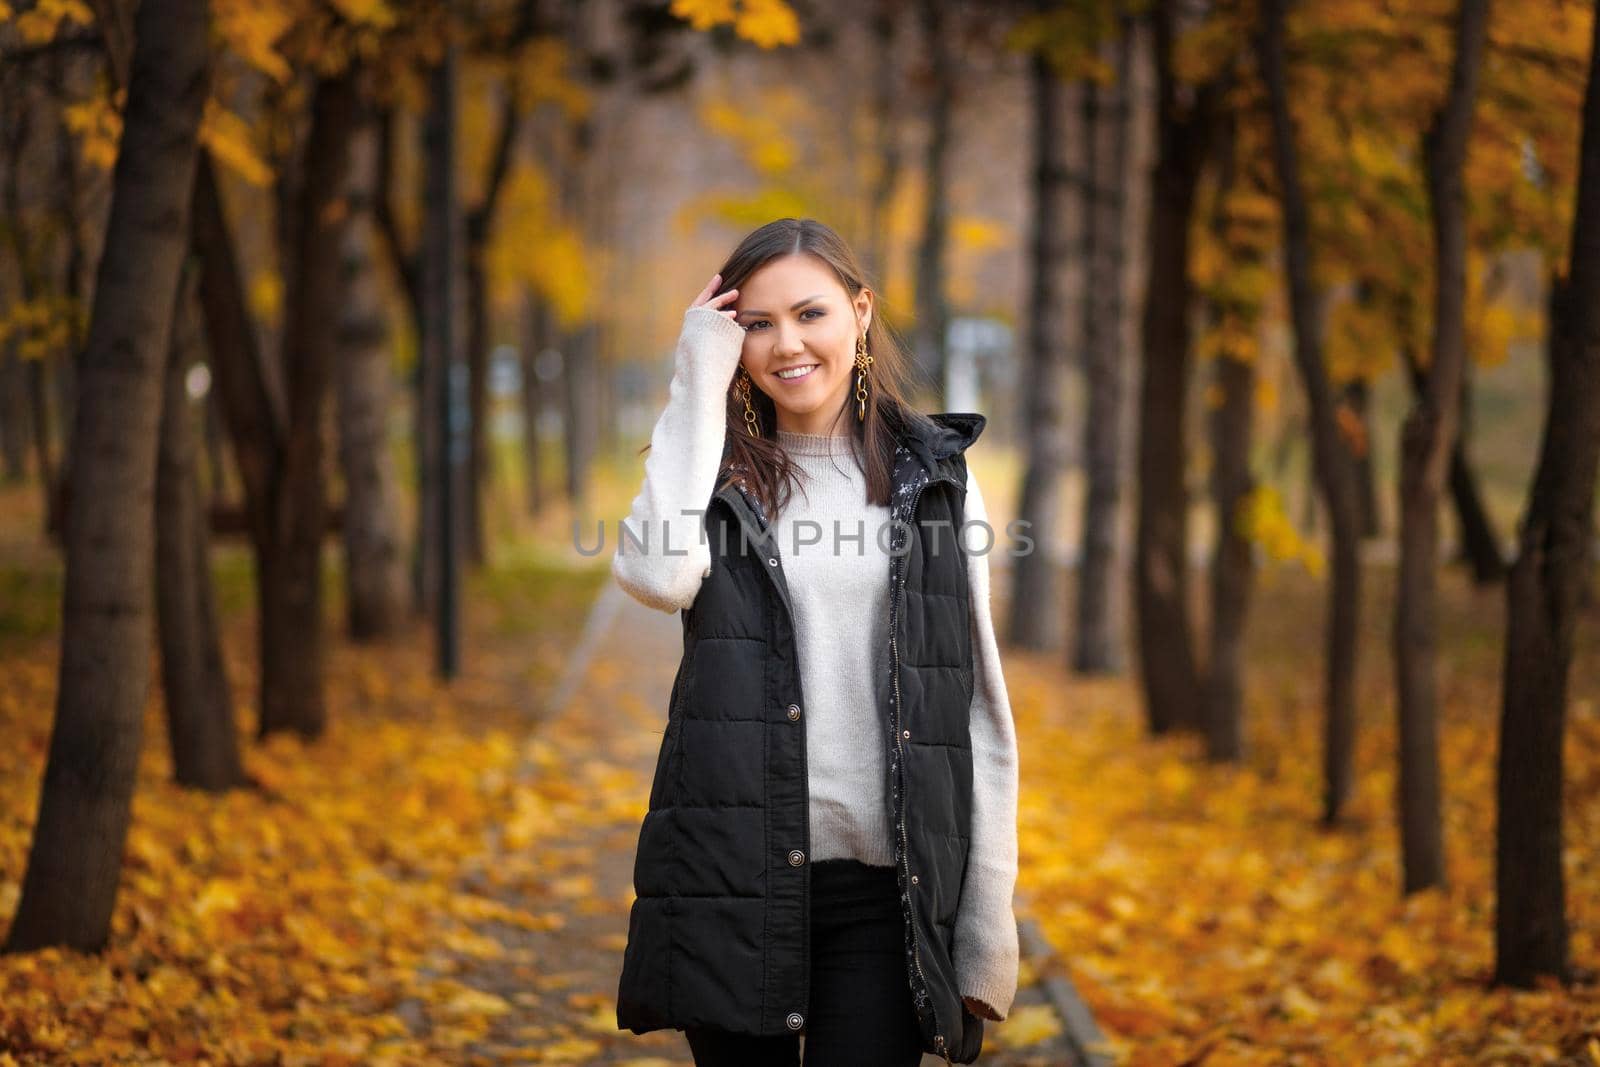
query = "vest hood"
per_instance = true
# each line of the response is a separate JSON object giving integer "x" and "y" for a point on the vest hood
{"x": 941, "y": 434}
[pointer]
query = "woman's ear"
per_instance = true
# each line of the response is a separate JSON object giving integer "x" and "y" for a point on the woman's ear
{"x": 864, "y": 308}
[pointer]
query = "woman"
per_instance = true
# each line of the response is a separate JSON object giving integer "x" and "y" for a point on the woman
{"x": 830, "y": 843}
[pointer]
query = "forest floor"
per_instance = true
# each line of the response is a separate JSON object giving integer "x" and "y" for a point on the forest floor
{"x": 444, "y": 877}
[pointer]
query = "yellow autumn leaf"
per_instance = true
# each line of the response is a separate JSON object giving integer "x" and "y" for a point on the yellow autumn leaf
{"x": 266, "y": 294}
{"x": 377, "y": 14}
{"x": 219, "y": 895}
{"x": 228, "y": 137}
{"x": 703, "y": 14}
{"x": 475, "y": 1002}
{"x": 251, "y": 30}
{"x": 1027, "y": 1024}
{"x": 99, "y": 128}
{"x": 767, "y": 23}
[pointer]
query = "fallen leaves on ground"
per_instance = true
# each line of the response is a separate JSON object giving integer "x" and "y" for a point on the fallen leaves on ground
{"x": 318, "y": 920}
{"x": 1205, "y": 918}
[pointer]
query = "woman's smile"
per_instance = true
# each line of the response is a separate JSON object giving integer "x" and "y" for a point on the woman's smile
{"x": 797, "y": 373}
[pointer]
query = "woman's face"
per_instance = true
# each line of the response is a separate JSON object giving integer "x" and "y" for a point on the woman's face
{"x": 798, "y": 318}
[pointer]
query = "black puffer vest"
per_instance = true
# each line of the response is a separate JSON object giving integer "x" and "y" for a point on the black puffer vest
{"x": 719, "y": 932}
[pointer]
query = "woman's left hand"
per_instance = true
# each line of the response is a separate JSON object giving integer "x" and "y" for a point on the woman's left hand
{"x": 980, "y": 1009}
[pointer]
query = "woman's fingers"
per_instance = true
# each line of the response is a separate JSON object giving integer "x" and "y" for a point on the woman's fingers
{"x": 717, "y": 301}
{"x": 710, "y": 288}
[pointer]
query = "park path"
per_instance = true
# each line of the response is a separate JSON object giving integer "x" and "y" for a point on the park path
{"x": 601, "y": 727}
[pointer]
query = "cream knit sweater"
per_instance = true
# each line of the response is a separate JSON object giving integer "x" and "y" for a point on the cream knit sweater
{"x": 837, "y": 570}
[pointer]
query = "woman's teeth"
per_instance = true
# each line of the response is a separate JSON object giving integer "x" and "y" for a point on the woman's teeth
{"x": 798, "y": 372}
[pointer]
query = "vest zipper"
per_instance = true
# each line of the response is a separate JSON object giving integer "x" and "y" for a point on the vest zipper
{"x": 899, "y": 728}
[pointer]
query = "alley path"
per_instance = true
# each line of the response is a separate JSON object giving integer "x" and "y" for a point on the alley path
{"x": 602, "y": 731}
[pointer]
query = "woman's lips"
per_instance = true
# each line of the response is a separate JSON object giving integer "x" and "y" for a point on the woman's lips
{"x": 797, "y": 378}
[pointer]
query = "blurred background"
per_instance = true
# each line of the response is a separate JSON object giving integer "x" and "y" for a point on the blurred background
{"x": 330, "y": 331}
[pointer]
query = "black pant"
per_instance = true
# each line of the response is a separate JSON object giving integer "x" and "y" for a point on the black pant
{"x": 861, "y": 1013}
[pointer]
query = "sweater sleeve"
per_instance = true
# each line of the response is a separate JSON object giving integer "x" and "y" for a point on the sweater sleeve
{"x": 663, "y": 554}
{"x": 985, "y": 947}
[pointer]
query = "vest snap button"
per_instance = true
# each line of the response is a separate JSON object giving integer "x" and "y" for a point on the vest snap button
{"x": 913, "y": 879}
{"x": 773, "y": 561}
{"x": 796, "y": 858}
{"x": 906, "y": 735}
{"x": 795, "y": 1020}
{"x": 794, "y": 712}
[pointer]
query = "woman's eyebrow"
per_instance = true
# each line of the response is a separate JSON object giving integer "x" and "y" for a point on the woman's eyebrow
{"x": 792, "y": 307}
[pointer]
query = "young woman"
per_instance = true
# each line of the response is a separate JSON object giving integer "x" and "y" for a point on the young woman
{"x": 830, "y": 843}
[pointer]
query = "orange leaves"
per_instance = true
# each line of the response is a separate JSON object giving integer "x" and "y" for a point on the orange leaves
{"x": 1262, "y": 520}
{"x": 252, "y": 29}
{"x": 377, "y": 14}
{"x": 98, "y": 126}
{"x": 1352, "y": 428}
{"x": 1205, "y": 918}
{"x": 230, "y": 140}
{"x": 532, "y": 244}
{"x": 47, "y": 18}
{"x": 766, "y": 23}
{"x": 293, "y": 925}
{"x": 43, "y": 326}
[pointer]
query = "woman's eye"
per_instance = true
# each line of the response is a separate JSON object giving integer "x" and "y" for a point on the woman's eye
{"x": 803, "y": 314}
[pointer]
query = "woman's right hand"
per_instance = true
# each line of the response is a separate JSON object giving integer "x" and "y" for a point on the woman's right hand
{"x": 718, "y": 302}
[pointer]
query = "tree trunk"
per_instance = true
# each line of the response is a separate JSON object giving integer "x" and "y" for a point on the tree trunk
{"x": 1541, "y": 601}
{"x": 424, "y": 544}
{"x": 1480, "y": 546}
{"x": 15, "y": 422}
{"x": 576, "y": 341}
{"x": 1107, "y": 119}
{"x": 290, "y": 563}
{"x": 1334, "y": 465}
{"x": 1167, "y": 667}
{"x": 1427, "y": 438}
{"x": 74, "y": 864}
{"x": 68, "y": 195}
{"x": 886, "y": 89}
{"x": 535, "y": 337}
{"x": 30, "y": 284}
{"x": 933, "y": 311}
{"x": 374, "y": 550}
{"x": 1037, "y": 606}
{"x": 476, "y": 471}
{"x": 275, "y": 412}
{"x": 1233, "y": 560}
{"x": 1356, "y": 395}
{"x": 14, "y": 428}
{"x": 441, "y": 266}
{"x": 43, "y": 446}
{"x": 194, "y": 679}
{"x": 578, "y": 388}
{"x": 479, "y": 223}
{"x": 249, "y": 395}
{"x": 217, "y": 483}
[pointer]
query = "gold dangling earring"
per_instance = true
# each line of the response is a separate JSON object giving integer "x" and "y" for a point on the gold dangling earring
{"x": 863, "y": 361}
{"x": 741, "y": 389}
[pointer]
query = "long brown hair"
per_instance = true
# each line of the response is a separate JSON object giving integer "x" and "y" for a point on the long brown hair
{"x": 761, "y": 461}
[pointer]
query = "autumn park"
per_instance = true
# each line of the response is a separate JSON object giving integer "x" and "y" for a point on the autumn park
{"x": 332, "y": 333}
